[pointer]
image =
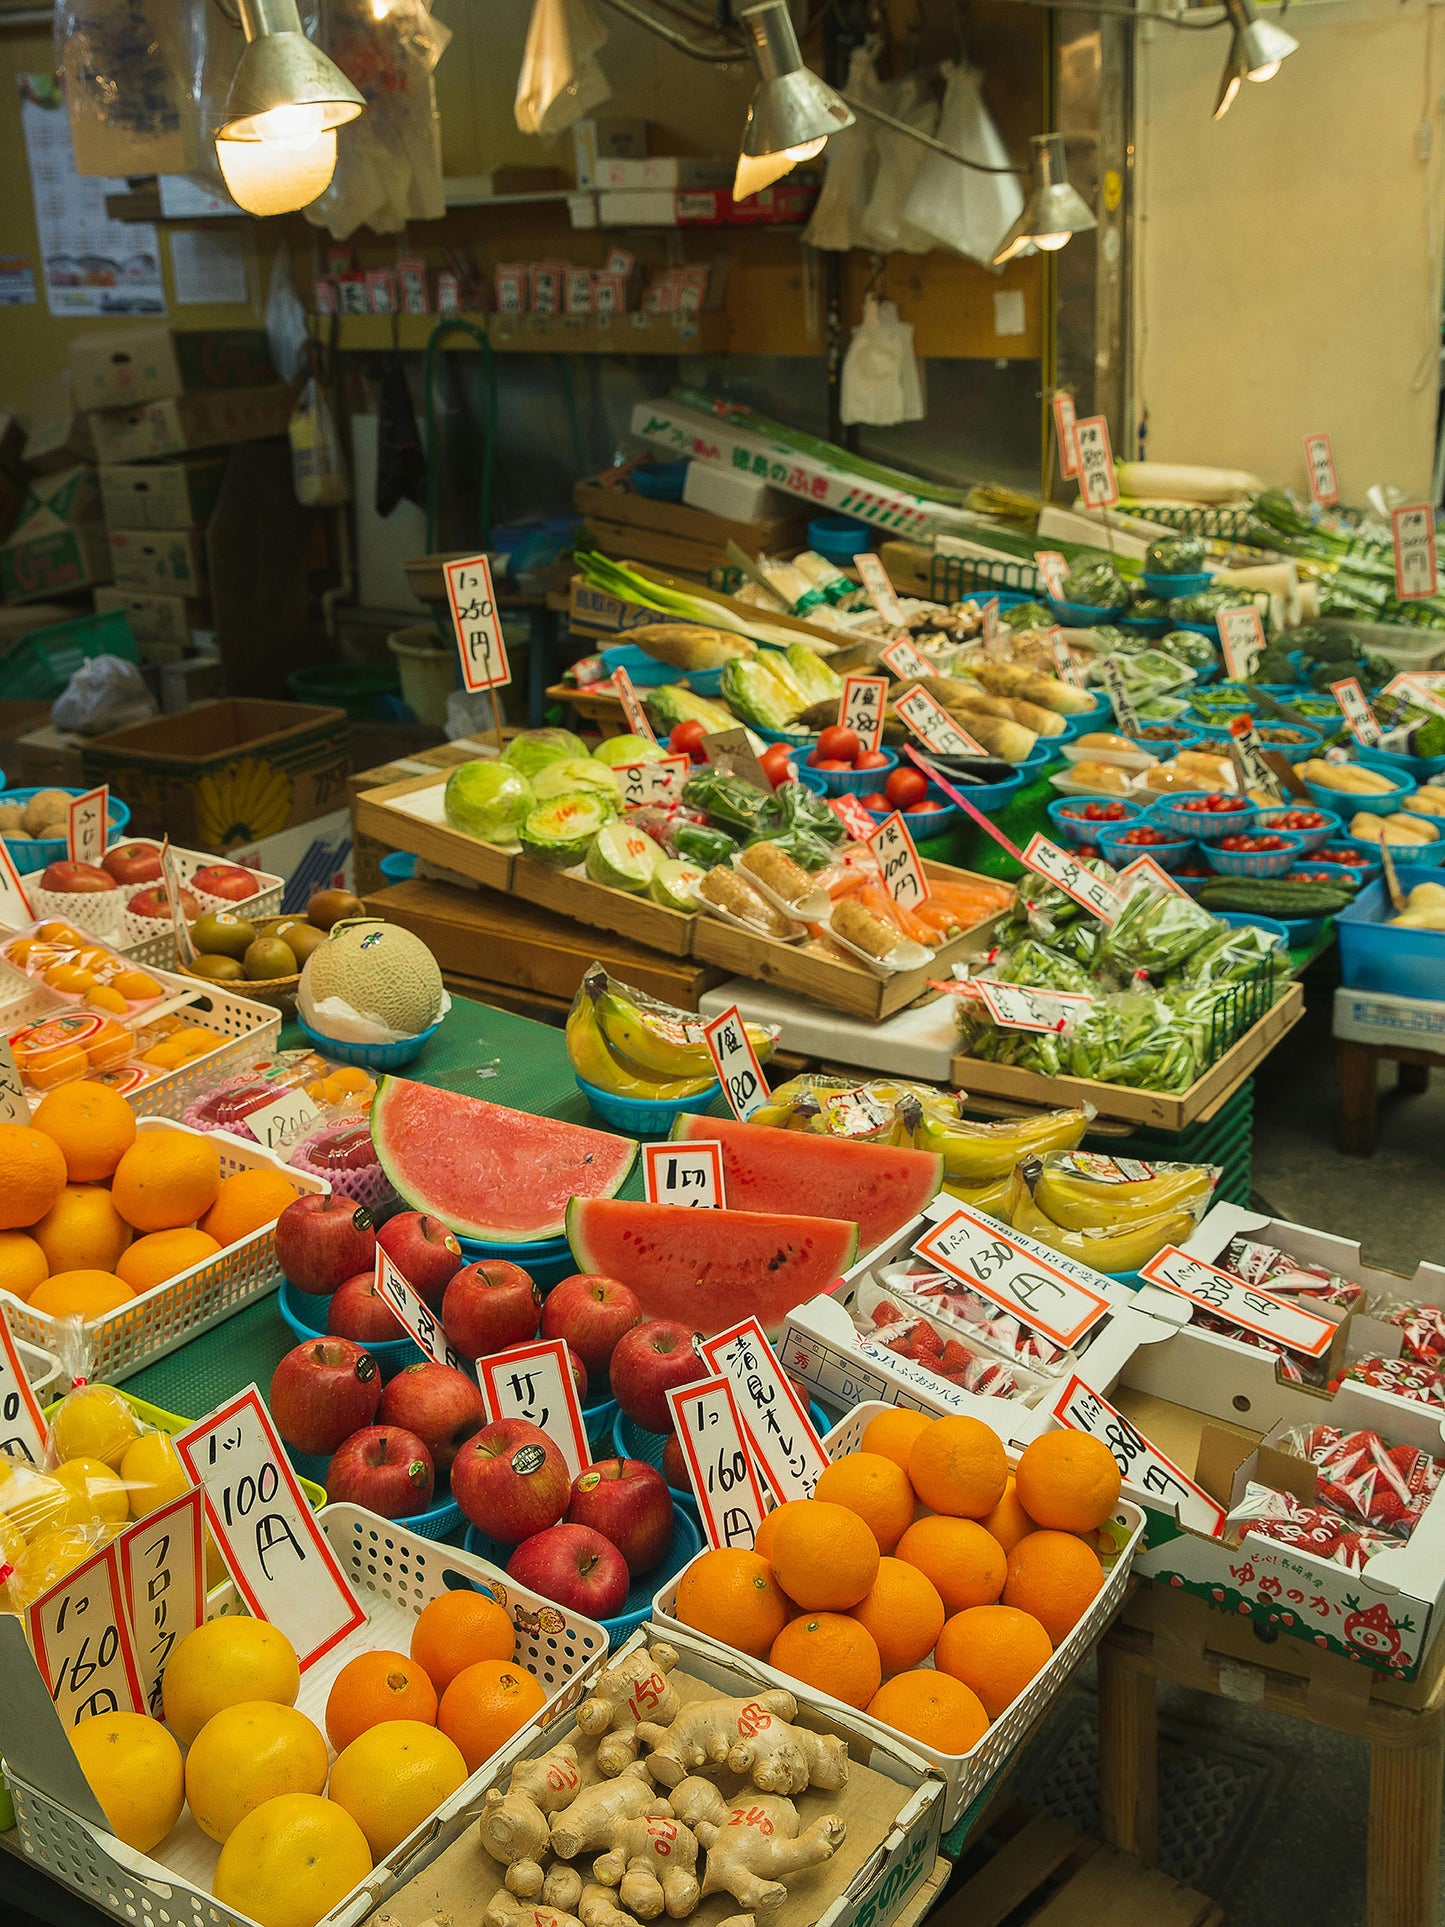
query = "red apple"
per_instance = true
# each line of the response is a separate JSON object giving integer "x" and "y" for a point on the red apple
{"x": 579, "y": 1375}
{"x": 674, "y": 1465}
{"x": 133, "y": 863}
{"x": 357, "y": 1310}
{"x": 442, "y": 1406}
{"x": 510, "y": 1480}
{"x": 322, "y": 1391}
{"x": 425, "y": 1253}
{"x": 385, "y": 1468}
{"x": 322, "y": 1240}
{"x": 83, "y": 877}
{"x": 154, "y": 902}
{"x": 490, "y": 1306}
{"x": 226, "y": 880}
{"x": 648, "y": 1362}
{"x": 590, "y": 1313}
{"x": 629, "y": 1503}
{"x": 575, "y": 1566}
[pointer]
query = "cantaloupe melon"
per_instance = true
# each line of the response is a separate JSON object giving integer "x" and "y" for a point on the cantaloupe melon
{"x": 379, "y": 969}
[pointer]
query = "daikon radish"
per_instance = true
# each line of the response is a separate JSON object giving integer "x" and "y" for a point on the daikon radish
{"x": 1184, "y": 482}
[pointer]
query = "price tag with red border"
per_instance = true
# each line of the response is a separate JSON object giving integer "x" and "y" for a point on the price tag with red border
{"x": 1424, "y": 687}
{"x": 1416, "y": 570}
{"x": 1145, "y": 870}
{"x": 775, "y": 1420}
{"x": 535, "y": 1382}
{"x": 689, "y": 1173}
{"x": 860, "y": 708}
{"x": 1065, "y": 422}
{"x": 1241, "y": 637}
{"x": 80, "y": 1636}
{"x": 1016, "y": 1007}
{"x": 1052, "y": 568}
{"x": 477, "y": 622}
{"x": 904, "y": 660}
{"x": 1144, "y": 1466}
{"x": 15, "y": 908}
{"x": 934, "y": 727}
{"x": 1098, "y": 484}
{"x": 1072, "y": 876}
{"x": 881, "y": 592}
{"x": 281, "y": 1561}
{"x": 1361, "y": 721}
{"x": 632, "y": 706}
{"x": 852, "y": 815}
{"x": 1229, "y": 1297}
{"x": 1063, "y": 655}
{"x": 1320, "y": 465}
{"x": 1018, "y": 1275}
{"x": 163, "y": 1572}
{"x": 723, "y": 1478}
{"x": 738, "y": 1069}
{"x": 1246, "y": 747}
{"x": 897, "y": 856}
{"x": 23, "y": 1431}
{"x": 14, "y": 1106}
{"x": 87, "y": 820}
{"x": 658, "y": 781}
{"x": 416, "y": 1317}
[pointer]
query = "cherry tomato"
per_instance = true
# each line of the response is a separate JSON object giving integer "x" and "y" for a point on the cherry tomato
{"x": 1217, "y": 803}
{"x": 906, "y": 788}
{"x": 1101, "y": 812}
{"x": 1355, "y": 858}
{"x": 839, "y": 745}
{"x": 686, "y": 740}
{"x": 1252, "y": 845}
{"x": 1145, "y": 834}
{"x": 871, "y": 759}
{"x": 877, "y": 802}
{"x": 774, "y": 760}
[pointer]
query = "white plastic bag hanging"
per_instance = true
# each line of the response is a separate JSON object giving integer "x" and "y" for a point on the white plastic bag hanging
{"x": 881, "y": 384}
{"x": 560, "y": 80}
{"x": 318, "y": 463}
{"x": 852, "y": 159}
{"x": 955, "y": 206}
{"x": 886, "y": 226}
{"x": 286, "y": 328}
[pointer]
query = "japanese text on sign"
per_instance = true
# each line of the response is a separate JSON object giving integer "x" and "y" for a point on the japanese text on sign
{"x": 1320, "y": 462}
{"x": 1065, "y": 422}
{"x": 861, "y": 707}
{"x": 852, "y": 815}
{"x": 689, "y": 1173}
{"x": 881, "y": 592}
{"x": 1098, "y": 486}
{"x": 1064, "y": 662}
{"x": 738, "y": 1069}
{"x": 904, "y": 660}
{"x": 416, "y": 1317}
{"x": 1145, "y": 870}
{"x": 80, "y": 1635}
{"x": 1111, "y": 674}
{"x": 478, "y": 623}
{"x": 1053, "y": 568}
{"x": 163, "y": 1573}
{"x": 1241, "y": 637}
{"x": 1016, "y": 1274}
{"x": 175, "y": 901}
{"x": 1072, "y": 876}
{"x": 1425, "y": 687}
{"x": 903, "y": 876}
{"x": 535, "y": 1382}
{"x": 14, "y": 1107}
{"x": 934, "y": 727}
{"x": 1416, "y": 573}
{"x": 1360, "y": 719}
{"x": 285, "y": 1121}
{"x": 993, "y": 642}
{"x": 724, "y": 1479}
{"x": 659, "y": 781}
{"x": 14, "y": 904}
{"x": 632, "y": 707}
{"x": 775, "y": 1420}
{"x": 1139, "y": 1462}
{"x": 1013, "y": 1007}
{"x": 278, "y": 1556}
{"x": 1258, "y": 1311}
{"x": 86, "y": 825}
{"x": 1247, "y": 748}
{"x": 23, "y": 1431}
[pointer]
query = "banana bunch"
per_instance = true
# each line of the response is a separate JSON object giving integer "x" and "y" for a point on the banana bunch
{"x": 1106, "y": 1250}
{"x": 625, "y": 1043}
{"x": 989, "y": 1197}
{"x": 973, "y": 1153}
{"x": 878, "y": 1110}
{"x": 1077, "y": 1201}
{"x": 596, "y": 1063}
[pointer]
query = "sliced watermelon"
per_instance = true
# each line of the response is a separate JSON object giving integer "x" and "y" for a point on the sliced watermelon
{"x": 487, "y": 1172}
{"x": 877, "y": 1185}
{"x": 708, "y": 1269}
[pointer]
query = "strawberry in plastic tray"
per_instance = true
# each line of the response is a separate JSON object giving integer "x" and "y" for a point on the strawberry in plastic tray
{"x": 1293, "y": 1367}
{"x": 915, "y": 1338}
{"x": 1310, "y": 1528}
{"x": 977, "y": 1318}
{"x": 1361, "y": 1477}
{"x": 1275, "y": 1271}
{"x": 1405, "y": 1377}
{"x": 1422, "y": 1330}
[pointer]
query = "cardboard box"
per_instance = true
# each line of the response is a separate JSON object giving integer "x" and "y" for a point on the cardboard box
{"x": 44, "y": 758}
{"x": 60, "y": 434}
{"x": 622, "y": 507}
{"x": 313, "y": 856}
{"x": 225, "y": 775}
{"x": 185, "y": 422}
{"x": 69, "y": 494}
{"x": 161, "y": 495}
{"x": 600, "y": 137}
{"x": 48, "y": 557}
{"x": 161, "y": 624}
{"x": 665, "y": 171}
{"x": 122, "y": 367}
{"x": 167, "y": 561}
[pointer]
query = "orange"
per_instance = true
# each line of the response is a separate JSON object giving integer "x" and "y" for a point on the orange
{"x": 93, "y": 1125}
{"x": 824, "y": 1557}
{"x": 958, "y": 1466}
{"x": 994, "y": 1650}
{"x": 393, "y": 1777}
{"x": 763, "y": 1543}
{"x": 893, "y": 1432}
{"x": 874, "y": 1487}
{"x": 82, "y": 1230}
{"x": 80, "y": 1294}
{"x": 135, "y": 985}
{"x": 134, "y": 1769}
{"x": 291, "y": 1860}
{"x": 57, "y": 930}
{"x": 223, "y": 1663}
{"x": 152, "y": 1473}
{"x": 374, "y": 1687}
{"x": 931, "y": 1707}
{"x": 455, "y": 1630}
{"x": 484, "y": 1706}
{"x": 161, "y": 1255}
{"x": 904, "y": 1614}
{"x": 167, "y": 1178}
{"x": 733, "y": 1596}
{"x": 1008, "y": 1522}
{"x": 246, "y": 1754}
{"x": 1054, "y": 1576}
{"x": 962, "y": 1560}
{"x": 832, "y": 1652}
{"x": 246, "y": 1201}
{"x": 34, "y": 1175}
{"x": 22, "y": 1264}
{"x": 1068, "y": 1481}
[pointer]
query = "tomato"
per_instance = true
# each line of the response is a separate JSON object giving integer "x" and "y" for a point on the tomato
{"x": 1355, "y": 858}
{"x": 826, "y": 762}
{"x": 872, "y": 759}
{"x": 686, "y": 740}
{"x": 839, "y": 745}
{"x": 927, "y": 806}
{"x": 1252, "y": 845}
{"x": 1215, "y": 804}
{"x": 774, "y": 760}
{"x": 877, "y": 802}
{"x": 1144, "y": 834}
{"x": 1298, "y": 820}
{"x": 906, "y": 787}
{"x": 1101, "y": 812}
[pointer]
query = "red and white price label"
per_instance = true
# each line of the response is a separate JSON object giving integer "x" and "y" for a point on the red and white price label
{"x": 15, "y": 909}
{"x": 852, "y": 815}
{"x": 1144, "y": 1466}
{"x": 632, "y": 707}
{"x": 279, "y": 1557}
{"x": 993, "y": 642}
{"x": 1246, "y": 746}
{"x": 898, "y": 859}
{"x": 1018, "y": 1275}
{"x": 1015, "y": 1007}
{"x": 80, "y": 1635}
{"x": 738, "y": 1069}
{"x": 1065, "y": 422}
{"x": 23, "y": 1431}
{"x": 1052, "y": 568}
{"x": 689, "y": 1173}
{"x": 881, "y": 592}
{"x": 163, "y": 1574}
{"x": 285, "y": 1121}
{"x": 1360, "y": 719}
{"x": 1416, "y": 570}
{"x": 1229, "y": 1297}
{"x": 657, "y": 781}
{"x": 1063, "y": 655}
{"x": 934, "y": 727}
{"x": 87, "y": 820}
{"x": 1425, "y": 687}
{"x": 1111, "y": 674}
{"x": 416, "y": 1317}
{"x": 861, "y": 707}
{"x": 723, "y": 1477}
{"x": 1320, "y": 466}
{"x": 175, "y": 901}
{"x": 1073, "y": 877}
{"x": 1241, "y": 637}
{"x": 904, "y": 660}
{"x": 1098, "y": 484}
{"x": 775, "y": 1420}
{"x": 14, "y": 1106}
{"x": 477, "y": 622}
{"x": 535, "y": 1382}
{"x": 1145, "y": 870}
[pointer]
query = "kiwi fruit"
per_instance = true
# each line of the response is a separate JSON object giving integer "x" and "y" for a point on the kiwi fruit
{"x": 298, "y": 935}
{"x": 219, "y": 934}
{"x": 268, "y": 957}
{"x": 217, "y": 969}
{"x": 328, "y": 907}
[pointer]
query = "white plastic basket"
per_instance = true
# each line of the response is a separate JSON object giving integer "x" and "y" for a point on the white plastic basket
{"x": 42, "y": 1368}
{"x": 395, "y": 1574}
{"x": 966, "y": 1774}
{"x": 168, "y": 1315}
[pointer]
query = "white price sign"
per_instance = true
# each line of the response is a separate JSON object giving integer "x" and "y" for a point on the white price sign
{"x": 163, "y": 1572}
{"x": 1125, "y": 715}
{"x": 632, "y": 706}
{"x": 477, "y": 622}
{"x": 535, "y": 1382}
{"x": 80, "y": 1636}
{"x": 14, "y": 1109}
{"x": 15, "y": 907}
{"x": 283, "y": 1122}
{"x": 86, "y": 823}
{"x": 1014, "y": 1007}
{"x": 1425, "y": 687}
{"x": 1241, "y": 637}
{"x": 690, "y": 1173}
{"x": 171, "y": 872}
{"x": 904, "y": 660}
{"x": 1360, "y": 719}
{"x": 1143, "y": 1465}
{"x": 881, "y": 592}
{"x": 993, "y": 642}
{"x": 1018, "y": 1275}
{"x": 658, "y": 781}
{"x": 1052, "y": 568}
{"x": 934, "y": 727}
{"x": 1229, "y": 1297}
{"x": 23, "y": 1431}
{"x": 775, "y": 1420}
{"x": 1064, "y": 663}
{"x": 1247, "y": 747}
{"x": 861, "y": 707}
{"x": 1073, "y": 877}
{"x": 723, "y": 1478}
{"x": 1416, "y": 572}
{"x": 1098, "y": 485}
{"x": 276, "y": 1553}
{"x": 416, "y": 1316}
{"x": 1065, "y": 422}
{"x": 1145, "y": 870}
{"x": 738, "y": 1069}
{"x": 1320, "y": 463}
{"x": 903, "y": 876}
{"x": 852, "y": 815}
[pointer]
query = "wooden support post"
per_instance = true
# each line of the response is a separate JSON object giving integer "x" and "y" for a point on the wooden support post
{"x": 1404, "y": 1840}
{"x": 1128, "y": 1756}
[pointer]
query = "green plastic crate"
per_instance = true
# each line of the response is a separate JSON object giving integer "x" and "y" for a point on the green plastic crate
{"x": 39, "y": 666}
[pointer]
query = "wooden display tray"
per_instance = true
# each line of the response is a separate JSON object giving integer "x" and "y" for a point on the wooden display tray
{"x": 1164, "y": 1110}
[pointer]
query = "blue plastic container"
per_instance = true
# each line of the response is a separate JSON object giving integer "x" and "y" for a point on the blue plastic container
{"x": 659, "y": 481}
{"x": 1169, "y": 588}
{"x": 1291, "y": 752}
{"x": 1255, "y": 863}
{"x": 1239, "y": 919}
{"x": 1082, "y": 615}
{"x": 36, "y": 853}
{"x": 371, "y": 1057}
{"x": 1313, "y": 839}
{"x": 1101, "y": 716}
{"x": 851, "y": 782}
{"x": 1151, "y": 626}
{"x": 706, "y": 682}
{"x": 1363, "y": 872}
{"x": 398, "y": 866}
{"x": 1395, "y": 763}
{"x": 1332, "y": 872}
{"x": 306, "y": 1315}
{"x": 548, "y": 1261}
{"x": 1377, "y": 804}
{"x": 645, "y": 1117}
{"x": 1374, "y": 956}
{"x": 839, "y": 538}
{"x": 1409, "y": 856}
{"x": 1205, "y": 826}
{"x": 440, "y": 1518}
{"x": 1169, "y": 856}
{"x": 1167, "y": 746}
{"x": 685, "y": 1545}
{"x": 633, "y": 1441}
{"x": 643, "y": 671}
{"x": 1073, "y": 828}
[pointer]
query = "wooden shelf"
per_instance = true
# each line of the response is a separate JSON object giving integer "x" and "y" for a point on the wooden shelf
{"x": 624, "y": 334}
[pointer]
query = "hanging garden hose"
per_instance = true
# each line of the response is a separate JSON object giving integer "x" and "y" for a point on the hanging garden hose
{"x": 452, "y": 325}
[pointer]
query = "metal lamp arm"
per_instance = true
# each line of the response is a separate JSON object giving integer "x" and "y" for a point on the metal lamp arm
{"x": 925, "y": 140}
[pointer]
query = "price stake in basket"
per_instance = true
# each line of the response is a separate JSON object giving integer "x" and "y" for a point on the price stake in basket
{"x": 904, "y": 660}
{"x": 993, "y": 642}
{"x": 535, "y": 1382}
{"x": 477, "y": 622}
{"x": 1018, "y": 1275}
{"x": 632, "y": 707}
{"x": 860, "y": 708}
{"x": 934, "y": 727}
{"x": 1241, "y": 637}
{"x": 14, "y": 1107}
{"x": 880, "y": 590}
{"x": 659, "y": 781}
{"x": 1229, "y": 1297}
{"x": 415, "y": 1316}
{"x": 80, "y": 1635}
{"x": 284, "y": 1122}
{"x": 1063, "y": 655}
{"x": 1080, "y": 1409}
{"x": 87, "y": 820}
{"x": 723, "y": 1477}
{"x": 1425, "y": 687}
{"x": 1098, "y": 484}
{"x": 897, "y": 856}
{"x": 175, "y": 902}
{"x": 1145, "y": 870}
{"x": 1111, "y": 674}
{"x": 775, "y": 1420}
{"x": 23, "y": 1431}
{"x": 1065, "y": 422}
{"x": 852, "y": 815}
{"x": 738, "y": 1069}
{"x": 1072, "y": 876}
{"x": 1254, "y": 772}
{"x": 15, "y": 907}
{"x": 690, "y": 1173}
{"x": 1320, "y": 466}
{"x": 1053, "y": 569}
{"x": 1361, "y": 721}
{"x": 1416, "y": 570}
{"x": 1392, "y": 880}
{"x": 163, "y": 1577}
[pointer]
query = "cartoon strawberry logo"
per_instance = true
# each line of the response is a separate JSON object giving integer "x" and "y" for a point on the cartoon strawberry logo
{"x": 1373, "y": 1633}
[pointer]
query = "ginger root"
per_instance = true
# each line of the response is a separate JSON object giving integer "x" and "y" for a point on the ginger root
{"x": 505, "y": 1910}
{"x": 653, "y": 1865}
{"x": 590, "y": 1819}
{"x": 634, "y": 1689}
{"x": 752, "y": 1737}
{"x": 598, "y": 1908}
{"x": 758, "y": 1842}
{"x": 514, "y": 1826}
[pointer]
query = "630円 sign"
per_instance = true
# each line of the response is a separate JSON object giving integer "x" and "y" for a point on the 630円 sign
{"x": 478, "y": 623}
{"x": 1230, "y": 1298}
{"x": 1017, "y": 1275}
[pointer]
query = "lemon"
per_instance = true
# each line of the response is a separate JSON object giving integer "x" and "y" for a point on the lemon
{"x": 249, "y": 1753}
{"x": 152, "y": 1473}
{"x": 48, "y": 1558}
{"x": 94, "y": 1423}
{"x": 291, "y": 1860}
{"x": 223, "y": 1663}
{"x": 134, "y": 1769}
{"x": 99, "y": 1491}
{"x": 12, "y": 1543}
{"x": 37, "y": 1502}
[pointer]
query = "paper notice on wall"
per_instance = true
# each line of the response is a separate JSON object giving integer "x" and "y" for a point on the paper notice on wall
{"x": 17, "y": 281}
{"x": 92, "y": 265}
{"x": 208, "y": 268}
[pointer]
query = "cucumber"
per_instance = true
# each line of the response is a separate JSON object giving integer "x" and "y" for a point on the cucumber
{"x": 1274, "y": 896}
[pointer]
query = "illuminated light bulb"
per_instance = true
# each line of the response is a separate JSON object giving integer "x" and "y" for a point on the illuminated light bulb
{"x": 757, "y": 171}
{"x": 277, "y": 176}
{"x": 792, "y": 112}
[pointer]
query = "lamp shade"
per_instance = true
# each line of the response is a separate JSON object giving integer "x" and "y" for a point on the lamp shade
{"x": 1256, "y": 49}
{"x": 1054, "y": 210}
{"x": 792, "y": 112}
{"x": 284, "y": 87}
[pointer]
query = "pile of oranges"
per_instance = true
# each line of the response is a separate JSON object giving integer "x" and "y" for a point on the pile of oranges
{"x": 921, "y": 1545}
{"x": 93, "y": 1213}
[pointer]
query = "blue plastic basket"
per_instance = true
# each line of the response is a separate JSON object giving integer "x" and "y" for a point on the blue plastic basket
{"x": 1313, "y": 839}
{"x": 1255, "y": 863}
{"x": 1169, "y": 856}
{"x": 1101, "y": 716}
{"x": 1083, "y": 615}
{"x": 1276, "y": 926}
{"x": 371, "y": 1057}
{"x": 839, "y": 538}
{"x": 1205, "y": 826}
{"x": 547, "y": 1260}
{"x": 35, "y": 853}
{"x": 1152, "y": 626}
{"x": 642, "y": 1116}
{"x": 1191, "y": 737}
{"x": 643, "y": 671}
{"x": 301, "y": 1311}
{"x": 398, "y": 866}
{"x": 1379, "y": 804}
{"x": 1169, "y": 588}
{"x": 706, "y": 682}
{"x": 1365, "y": 872}
{"x": 1291, "y": 752}
{"x": 1394, "y": 762}
{"x": 1073, "y": 828}
{"x": 1375, "y": 956}
{"x": 850, "y": 782}
{"x": 659, "y": 481}
{"x": 1409, "y": 856}
{"x": 1333, "y": 872}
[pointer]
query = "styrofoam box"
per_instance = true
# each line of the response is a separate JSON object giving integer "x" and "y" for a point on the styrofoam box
{"x": 310, "y": 856}
{"x": 965, "y": 1775}
{"x": 395, "y": 1574}
{"x": 1381, "y": 1017}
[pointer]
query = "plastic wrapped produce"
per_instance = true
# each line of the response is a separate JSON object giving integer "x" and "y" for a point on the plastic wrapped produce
{"x": 1364, "y": 1478}
{"x": 1311, "y": 1528}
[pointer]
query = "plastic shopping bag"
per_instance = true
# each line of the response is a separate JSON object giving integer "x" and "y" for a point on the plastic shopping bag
{"x": 886, "y": 226}
{"x": 852, "y": 158}
{"x": 881, "y": 383}
{"x": 318, "y": 464}
{"x": 560, "y": 80}
{"x": 955, "y": 206}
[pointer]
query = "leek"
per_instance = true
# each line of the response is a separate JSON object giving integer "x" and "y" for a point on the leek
{"x": 616, "y": 579}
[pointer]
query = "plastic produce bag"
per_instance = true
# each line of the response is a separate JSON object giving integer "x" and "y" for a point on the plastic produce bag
{"x": 286, "y": 328}
{"x": 837, "y": 222}
{"x": 560, "y": 80}
{"x": 104, "y": 693}
{"x": 956, "y": 207}
{"x": 1314, "y": 1529}
{"x": 881, "y": 382}
{"x": 1364, "y": 1478}
{"x": 318, "y": 462}
{"x": 884, "y": 227}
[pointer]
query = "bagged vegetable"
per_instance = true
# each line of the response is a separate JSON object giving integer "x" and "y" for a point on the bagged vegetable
{"x": 793, "y": 806}
{"x": 1095, "y": 585}
{"x": 728, "y": 801}
{"x": 1154, "y": 932}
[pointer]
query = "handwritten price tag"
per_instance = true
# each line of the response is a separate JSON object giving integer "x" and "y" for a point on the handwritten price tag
{"x": 723, "y": 1478}
{"x": 632, "y": 706}
{"x": 861, "y": 707}
{"x": 934, "y": 727}
{"x": 659, "y": 781}
{"x": 1145, "y": 870}
{"x": 1257, "y": 1311}
{"x": 1098, "y": 485}
{"x": 852, "y": 815}
{"x": 279, "y": 1557}
{"x": 1320, "y": 463}
{"x": 80, "y": 1635}
{"x": 1012, "y": 1007}
{"x": 163, "y": 1574}
{"x": 1247, "y": 748}
{"x": 1426, "y": 687}
{"x": 1071, "y": 876}
{"x": 904, "y": 660}
{"x": 775, "y": 1420}
{"x": 15, "y": 907}
{"x": 1416, "y": 571}
{"x": 1063, "y": 655}
{"x": 416, "y": 1316}
{"x": 1052, "y": 568}
{"x": 1241, "y": 637}
{"x": 689, "y": 1173}
{"x": 1065, "y": 421}
{"x": 880, "y": 590}
{"x": 477, "y": 622}
{"x": 897, "y": 856}
{"x": 535, "y": 1382}
{"x": 1111, "y": 673}
{"x": 1018, "y": 1275}
{"x": 23, "y": 1431}
{"x": 87, "y": 820}
{"x": 285, "y": 1121}
{"x": 738, "y": 1069}
{"x": 14, "y": 1108}
{"x": 1360, "y": 719}
{"x": 1144, "y": 1466}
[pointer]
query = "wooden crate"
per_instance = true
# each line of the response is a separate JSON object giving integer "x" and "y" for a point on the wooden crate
{"x": 623, "y": 509}
{"x": 375, "y": 814}
{"x": 367, "y": 850}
